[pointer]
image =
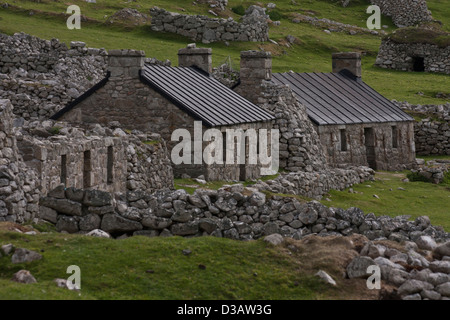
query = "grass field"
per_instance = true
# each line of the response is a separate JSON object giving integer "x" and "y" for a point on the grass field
{"x": 417, "y": 198}
{"x": 311, "y": 54}
{"x": 155, "y": 268}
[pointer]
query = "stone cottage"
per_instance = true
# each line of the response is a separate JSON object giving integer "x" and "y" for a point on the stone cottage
{"x": 418, "y": 57}
{"x": 357, "y": 126}
{"x": 162, "y": 99}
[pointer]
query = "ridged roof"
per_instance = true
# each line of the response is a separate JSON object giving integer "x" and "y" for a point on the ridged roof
{"x": 340, "y": 98}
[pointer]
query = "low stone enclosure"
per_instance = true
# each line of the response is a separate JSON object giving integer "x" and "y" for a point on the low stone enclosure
{"x": 35, "y": 157}
{"x": 233, "y": 212}
{"x": 404, "y": 12}
{"x": 420, "y": 57}
{"x": 253, "y": 27}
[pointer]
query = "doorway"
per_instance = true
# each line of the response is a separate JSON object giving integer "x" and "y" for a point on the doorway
{"x": 369, "y": 142}
{"x": 418, "y": 64}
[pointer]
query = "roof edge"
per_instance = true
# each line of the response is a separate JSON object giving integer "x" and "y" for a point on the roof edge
{"x": 84, "y": 96}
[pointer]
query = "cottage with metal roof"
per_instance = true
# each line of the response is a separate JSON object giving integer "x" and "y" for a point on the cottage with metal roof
{"x": 356, "y": 125}
{"x": 153, "y": 98}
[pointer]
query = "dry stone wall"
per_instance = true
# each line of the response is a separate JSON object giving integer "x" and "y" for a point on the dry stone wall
{"x": 400, "y": 56}
{"x": 40, "y": 76}
{"x": 19, "y": 193}
{"x": 404, "y": 12}
{"x": 432, "y": 133}
{"x": 300, "y": 148}
{"x": 230, "y": 212}
{"x": 253, "y": 27}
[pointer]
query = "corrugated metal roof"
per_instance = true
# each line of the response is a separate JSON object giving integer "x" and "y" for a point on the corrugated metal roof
{"x": 340, "y": 98}
{"x": 202, "y": 96}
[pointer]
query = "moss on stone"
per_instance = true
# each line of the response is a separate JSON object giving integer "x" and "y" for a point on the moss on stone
{"x": 430, "y": 33}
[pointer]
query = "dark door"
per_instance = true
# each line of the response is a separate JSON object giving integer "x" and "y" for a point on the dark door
{"x": 419, "y": 64}
{"x": 370, "y": 147}
{"x": 243, "y": 166}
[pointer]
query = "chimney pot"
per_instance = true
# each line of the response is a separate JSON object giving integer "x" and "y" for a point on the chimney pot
{"x": 347, "y": 60}
{"x": 125, "y": 63}
{"x": 193, "y": 56}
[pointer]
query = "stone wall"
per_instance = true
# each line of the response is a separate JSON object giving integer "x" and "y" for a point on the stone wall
{"x": 316, "y": 184}
{"x": 19, "y": 193}
{"x": 388, "y": 154}
{"x": 432, "y": 132}
{"x": 40, "y": 76}
{"x": 253, "y": 27}
{"x": 401, "y": 56}
{"x": 230, "y": 212}
{"x": 404, "y": 12}
{"x": 99, "y": 158}
{"x": 300, "y": 148}
{"x": 433, "y": 171}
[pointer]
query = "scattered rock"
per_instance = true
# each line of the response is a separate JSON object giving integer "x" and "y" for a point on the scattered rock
{"x": 7, "y": 248}
{"x": 325, "y": 277}
{"x": 357, "y": 268}
{"x": 22, "y": 255}
{"x": 98, "y": 233}
{"x": 23, "y": 276}
{"x": 413, "y": 286}
{"x": 274, "y": 239}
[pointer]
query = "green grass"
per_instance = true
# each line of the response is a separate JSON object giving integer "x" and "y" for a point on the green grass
{"x": 429, "y": 33}
{"x": 119, "y": 269}
{"x": 418, "y": 198}
{"x": 433, "y": 157}
{"x": 312, "y": 54}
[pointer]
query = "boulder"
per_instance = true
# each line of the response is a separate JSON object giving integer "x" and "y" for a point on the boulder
{"x": 97, "y": 198}
{"x": 114, "y": 223}
{"x": 98, "y": 233}
{"x": 413, "y": 286}
{"x": 442, "y": 250}
{"x": 357, "y": 268}
{"x": 90, "y": 222}
{"x": 7, "y": 248}
{"x": 274, "y": 239}
{"x": 156, "y": 223}
{"x": 23, "y": 276}
{"x": 440, "y": 266}
{"x": 67, "y": 223}
{"x": 426, "y": 243}
{"x": 208, "y": 225}
{"x": 22, "y": 255}
{"x": 184, "y": 229}
{"x": 63, "y": 206}
{"x": 309, "y": 216}
{"x": 444, "y": 289}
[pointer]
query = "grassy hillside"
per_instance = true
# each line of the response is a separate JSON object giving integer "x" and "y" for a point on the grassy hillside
{"x": 156, "y": 268}
{"x": 312, "y": 54}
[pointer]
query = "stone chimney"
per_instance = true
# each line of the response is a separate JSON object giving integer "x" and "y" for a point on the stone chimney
{"x": 125, "y": 63}
{"x": 256, "y": 66}
{"x": 347, "y": 60}
{"x": 193, "y": 56}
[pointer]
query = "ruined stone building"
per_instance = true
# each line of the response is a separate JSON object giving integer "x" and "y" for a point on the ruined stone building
{"x": 357, "y": 126}
{"x": 163, "y": 99}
